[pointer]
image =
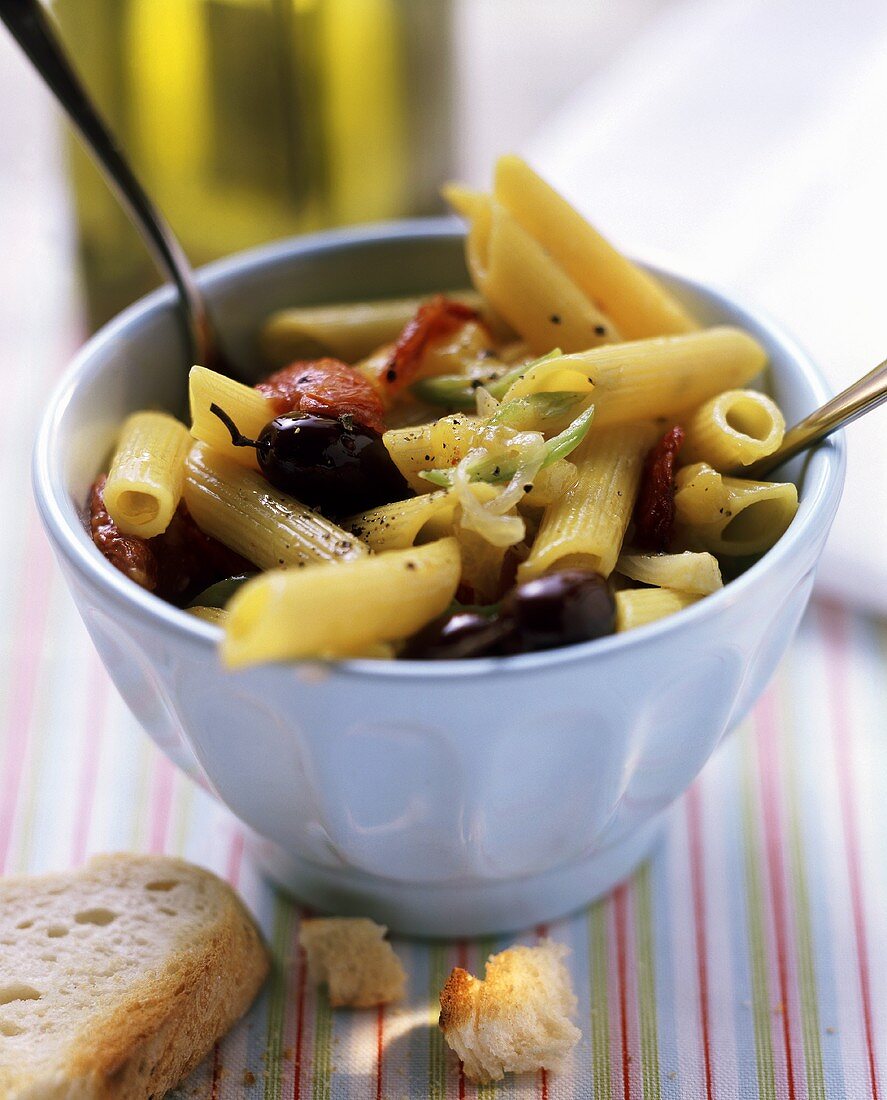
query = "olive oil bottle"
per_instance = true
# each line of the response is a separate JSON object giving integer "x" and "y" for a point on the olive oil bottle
{"x": 250, "y": 120}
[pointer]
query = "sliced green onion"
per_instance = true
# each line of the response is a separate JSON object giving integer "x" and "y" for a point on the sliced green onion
{"x": 528, "y": 414}
{"x": 559, "y": 446}
{"x": 456, "y": 391}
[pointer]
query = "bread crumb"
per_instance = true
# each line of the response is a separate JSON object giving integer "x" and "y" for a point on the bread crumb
{"x": 249, "y": 1078}
{"x": 353, "y": 958}
{"x": 515, "y": 1020}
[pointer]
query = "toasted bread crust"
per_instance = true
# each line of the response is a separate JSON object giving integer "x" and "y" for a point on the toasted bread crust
{"x": 456, "y": 999}
{"x": 168, "y": 1021}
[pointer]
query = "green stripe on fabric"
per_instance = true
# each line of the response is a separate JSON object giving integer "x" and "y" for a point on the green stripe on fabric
{"x": 646, "y": 977}
{"x": 281, "y": 938}
{"x": 809, "y": 993}
{"x": 598, "y": 959}
{"x": 181, "y": 811}
{"x": 322, "y": 1068}
{"x": 755, "y": 917}
{"x": 437, "y": 1055}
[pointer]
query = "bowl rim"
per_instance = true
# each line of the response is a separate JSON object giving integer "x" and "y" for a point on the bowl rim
{"x": 824, "y": 467}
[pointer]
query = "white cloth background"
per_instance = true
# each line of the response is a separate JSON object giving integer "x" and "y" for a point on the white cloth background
{"x": 745, "y": 142}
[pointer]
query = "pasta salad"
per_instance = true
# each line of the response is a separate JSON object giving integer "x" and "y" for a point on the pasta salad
{"x": 550, "y": 457}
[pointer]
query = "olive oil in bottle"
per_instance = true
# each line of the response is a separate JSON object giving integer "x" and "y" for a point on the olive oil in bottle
{"x": 250, "y": 120}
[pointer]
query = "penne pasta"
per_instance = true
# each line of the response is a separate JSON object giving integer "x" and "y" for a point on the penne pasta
{"x": 335, "y": 612}
{"x": 398, "y": 525}
{"x": 700, "y": 495}
{"x": 428, "y": 446}
{"x": 249, "y": 409}
{"x": 347, "y": 330}
{"x": 522, "y": 282}
{"x": 639, "y": 606}
{"x": 664, "y": 377}
{"x": 551, "y": 484}
{"x": 734, "y": 428}
{"x": 696, "y": 573}
{"x": 753, "y": 515}
{"x": 584, "y": 529}
{"x": 637, "y": 303}
{"x": 482, "y": 565}
{"x": 144, "y": 484}
{"x": 241, "y": 509}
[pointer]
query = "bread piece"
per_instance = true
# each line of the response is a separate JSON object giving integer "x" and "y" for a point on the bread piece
{"x": 355, "y": 960}
{"x": 116, "y": 980}
{"x": 517, "y": 1018}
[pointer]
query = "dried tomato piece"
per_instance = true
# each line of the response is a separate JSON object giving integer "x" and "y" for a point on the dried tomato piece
{"x": 654, "y": 511}
{"x": 188, "y": 560}
{"x": 128, "y": 553}
{"x": 325, "y": 387}
{"x": 435, "y": 318}
{"x": 177, "y": 564}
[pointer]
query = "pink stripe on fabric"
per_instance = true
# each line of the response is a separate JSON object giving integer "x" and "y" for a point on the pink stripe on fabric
{"x": 834, "y": 620}
{"x": 96, "y": 709}
{"x": 769, "y": 773}
{"x": 380, "y": 1050}
{"x": 235, "y": 857}
{"x": 161, "y": 803}
{"x": 29, "y": 630}
{"x": 697, "y": 878}
{"x": 620, "y": 905}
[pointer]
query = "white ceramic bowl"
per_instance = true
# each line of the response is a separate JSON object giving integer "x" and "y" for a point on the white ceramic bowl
{"x": 449, "y": 798}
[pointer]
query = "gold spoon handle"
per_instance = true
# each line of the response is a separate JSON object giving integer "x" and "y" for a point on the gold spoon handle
{"x": 865, "y": 394}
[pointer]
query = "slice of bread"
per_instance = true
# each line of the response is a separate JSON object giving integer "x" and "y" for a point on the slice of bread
{"x": 517, "y": 1019}
{"x": 116, "y": 980}
{"x": 355, "y": 960}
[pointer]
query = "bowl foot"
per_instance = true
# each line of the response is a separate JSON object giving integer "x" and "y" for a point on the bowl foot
{"x": 454, "y": 910}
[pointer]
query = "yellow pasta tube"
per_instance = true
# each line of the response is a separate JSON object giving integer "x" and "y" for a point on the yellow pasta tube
{"x": 522, "y": 282}
{"x": 398, "y": 525}
{"x": 144, "y": 483}
{"x": 663, "y": 377}
{"x": 757, "y": 514}
{"x": 482, "y": 565}
{"x": 700, "y": 495}
{"x": 585, "y": 528}
{"x": 639, "y": 606}
{"x": 241, "y": 509}
{"x": 347, "y": 330}
{"x": 249, "y": 409}
{"x": 735, "y": 428}
{"x": 751, "y": 517}
{"x": 429, "y": 446}
{"x": 696, "y": 573}
{"x": 551, "y": 484}
{"x": 324, "y": 612}
{"x": 638, "y": 304}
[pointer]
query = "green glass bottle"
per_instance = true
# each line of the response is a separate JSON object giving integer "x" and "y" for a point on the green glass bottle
{"x": 250, "y": 120}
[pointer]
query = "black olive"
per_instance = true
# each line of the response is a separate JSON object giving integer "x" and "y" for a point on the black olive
{"x": 458, "y": 634}
{"x": 559, "y": 609}
{"x": 331, "y": 464}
